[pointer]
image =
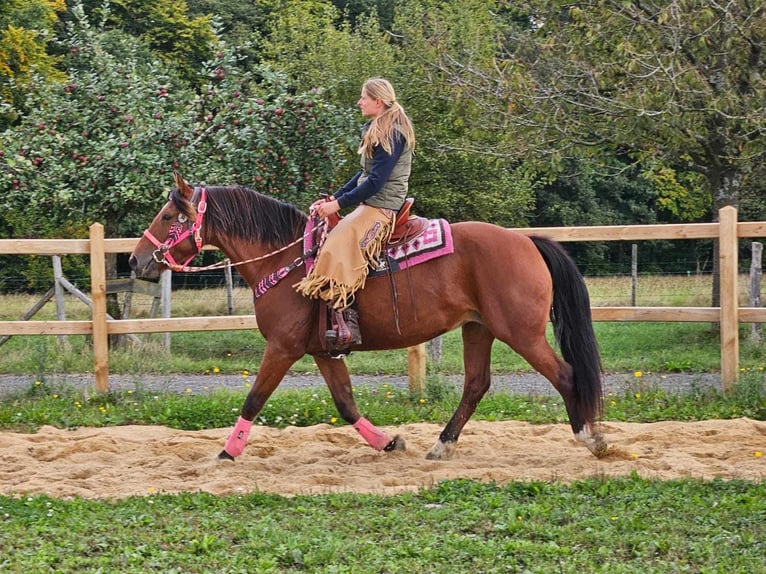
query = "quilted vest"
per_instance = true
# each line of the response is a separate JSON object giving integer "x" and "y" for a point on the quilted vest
{"x": 394, "y": 192}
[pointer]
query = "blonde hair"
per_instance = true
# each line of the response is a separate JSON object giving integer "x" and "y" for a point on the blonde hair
{"x": 394, "y": 118}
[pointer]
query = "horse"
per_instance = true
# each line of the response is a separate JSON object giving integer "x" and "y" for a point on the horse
{"x": 496, "y": 284}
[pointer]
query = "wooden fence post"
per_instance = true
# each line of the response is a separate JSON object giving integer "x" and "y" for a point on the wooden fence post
{"x": 98, "y": 296}
{"x": 58, "y": 289}
{"x": 166, "y": 290}
{"x": 416, "y": 361}
{"x": 727, "y": 237}
{"x": 229, "y": 289}
{"x": 633, "y": 274}
{"x": 754, "y": 292}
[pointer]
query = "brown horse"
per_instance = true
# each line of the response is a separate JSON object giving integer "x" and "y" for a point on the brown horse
{"x": 497, "y": 284}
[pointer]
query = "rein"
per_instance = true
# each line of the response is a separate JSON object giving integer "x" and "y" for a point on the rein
{"x": 178, "y": 233}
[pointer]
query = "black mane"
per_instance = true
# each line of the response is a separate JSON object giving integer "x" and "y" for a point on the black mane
{"x": 243, "y": 213}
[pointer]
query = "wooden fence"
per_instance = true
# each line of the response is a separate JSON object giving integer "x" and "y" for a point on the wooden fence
{"x": 729, "y": 314}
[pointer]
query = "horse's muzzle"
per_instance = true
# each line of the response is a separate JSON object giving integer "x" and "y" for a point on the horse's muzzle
{"x": 149, "y": 270}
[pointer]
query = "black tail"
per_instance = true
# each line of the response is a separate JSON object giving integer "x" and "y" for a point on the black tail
{"x": 573, "y": 326}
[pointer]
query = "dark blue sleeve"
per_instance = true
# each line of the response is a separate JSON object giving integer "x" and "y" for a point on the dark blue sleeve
{"x": 382, "y": 165}
{"x": 348, "y": 186}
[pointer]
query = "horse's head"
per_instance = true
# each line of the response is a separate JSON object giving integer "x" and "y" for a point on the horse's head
{"x": 173, "y": 235}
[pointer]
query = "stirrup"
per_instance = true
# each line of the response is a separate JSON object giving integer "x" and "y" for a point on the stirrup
{"x": 331, "y": 339}
{"x": 345, "y": 333}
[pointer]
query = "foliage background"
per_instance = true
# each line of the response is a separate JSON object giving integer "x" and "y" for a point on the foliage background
{"x": 533, "y": 113}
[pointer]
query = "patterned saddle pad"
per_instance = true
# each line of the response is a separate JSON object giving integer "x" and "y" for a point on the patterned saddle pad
{"x": 435, "y": 241}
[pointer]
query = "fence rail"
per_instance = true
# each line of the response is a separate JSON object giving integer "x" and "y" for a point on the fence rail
{"x": 728, "y": 315}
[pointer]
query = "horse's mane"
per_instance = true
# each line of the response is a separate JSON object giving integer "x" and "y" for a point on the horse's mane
{"x": 240, "y": 212}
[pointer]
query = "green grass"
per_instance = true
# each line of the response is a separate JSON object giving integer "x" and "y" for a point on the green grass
{"x": 617, "y": 526}
{"x": 625, "y": 347}
{"x": 623, "y": 525}
{"x": 67, "y": 407}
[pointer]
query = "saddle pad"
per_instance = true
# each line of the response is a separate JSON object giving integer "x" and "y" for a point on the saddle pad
{"x": 434, "y": 242}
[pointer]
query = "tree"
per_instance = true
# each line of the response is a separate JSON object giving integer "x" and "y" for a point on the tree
{"x": 166, "y": 27}
{"x": 102, "y": 146}
{"x": 458, "y": 174}
{"x": 676, "y": 84}
{"x": 26, "y": 28}
{"x": 679, "y": 82}
{"x": 355, "y": 11}
{"x": 315, "y": 46}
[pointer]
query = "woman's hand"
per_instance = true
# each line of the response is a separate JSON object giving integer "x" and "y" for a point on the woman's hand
{"x": 316, "y": 204}
{"x": 325, "y": 208}
{"x": 313, "y": 207}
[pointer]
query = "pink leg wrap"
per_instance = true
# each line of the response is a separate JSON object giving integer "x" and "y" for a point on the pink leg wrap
{"x": 375, "y": 438}
{"x": 237, "y": 440}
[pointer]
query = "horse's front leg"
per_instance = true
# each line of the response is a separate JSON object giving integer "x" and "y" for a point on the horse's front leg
{"x": 273, "y": 368}
{"x": 336, "y": 376}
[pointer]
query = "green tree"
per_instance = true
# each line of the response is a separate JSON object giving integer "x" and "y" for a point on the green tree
{"x": 101, "y": 147}
{"x": 315, "y": 46}
{"x": 675, "y": 84}
{"x": 303, "y": 41}
{"x": 356, "y": 11}
{"x": 166, "y": 27}
{"x": 240, "y": 24}
{"x": 26, "y": 28}
{"x": 459, "y": 173}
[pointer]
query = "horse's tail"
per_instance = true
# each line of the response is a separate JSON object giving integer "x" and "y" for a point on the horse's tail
{"x": 573, "y": 326}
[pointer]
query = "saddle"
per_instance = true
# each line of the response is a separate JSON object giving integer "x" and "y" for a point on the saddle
{"x": 406, "y": 225}
{"x": 337, "y": 326}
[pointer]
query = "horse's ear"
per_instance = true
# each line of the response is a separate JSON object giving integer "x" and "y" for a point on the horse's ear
{"x": 183, "y": 185}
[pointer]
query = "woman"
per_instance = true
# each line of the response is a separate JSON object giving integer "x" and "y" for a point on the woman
{"x": 378, "y": 190}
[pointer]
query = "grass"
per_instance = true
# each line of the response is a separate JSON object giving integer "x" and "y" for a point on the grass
{"x": 597, "y": 525}
{"x": 617, "y": 526}
{"x": 625, "y": 347}
{"x": 68, "y": 407}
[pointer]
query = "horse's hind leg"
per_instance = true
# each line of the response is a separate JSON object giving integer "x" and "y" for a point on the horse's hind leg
{"x": 539, "y": 354}
{"x": 336, "y": 376}
{"x": 477, "y": 351}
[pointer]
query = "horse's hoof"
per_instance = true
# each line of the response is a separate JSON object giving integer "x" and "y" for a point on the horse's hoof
{"x": 598, "y": 446}
{"x": 223, "y": 455}
{"x": 442, "y": 450}
{"x": 396, "y": 445}
{"x": 595, "y": 442}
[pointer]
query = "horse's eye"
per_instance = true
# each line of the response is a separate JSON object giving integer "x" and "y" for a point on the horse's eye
{"x": 181, "y": 218}
{"x": 166, "y": 217}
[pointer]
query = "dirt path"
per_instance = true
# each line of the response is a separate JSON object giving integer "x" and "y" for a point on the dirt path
{"x": 520, "y": 383}
{"x": 124, "y": 461}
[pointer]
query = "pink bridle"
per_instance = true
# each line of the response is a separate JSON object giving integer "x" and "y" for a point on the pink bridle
{"x": 179, "y": 232}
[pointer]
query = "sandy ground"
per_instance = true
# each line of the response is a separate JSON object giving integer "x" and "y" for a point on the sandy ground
{"x": 116, "y": 462}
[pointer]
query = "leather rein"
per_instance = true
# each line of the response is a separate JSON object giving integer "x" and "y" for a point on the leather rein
{"x": 180, "y": 231}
